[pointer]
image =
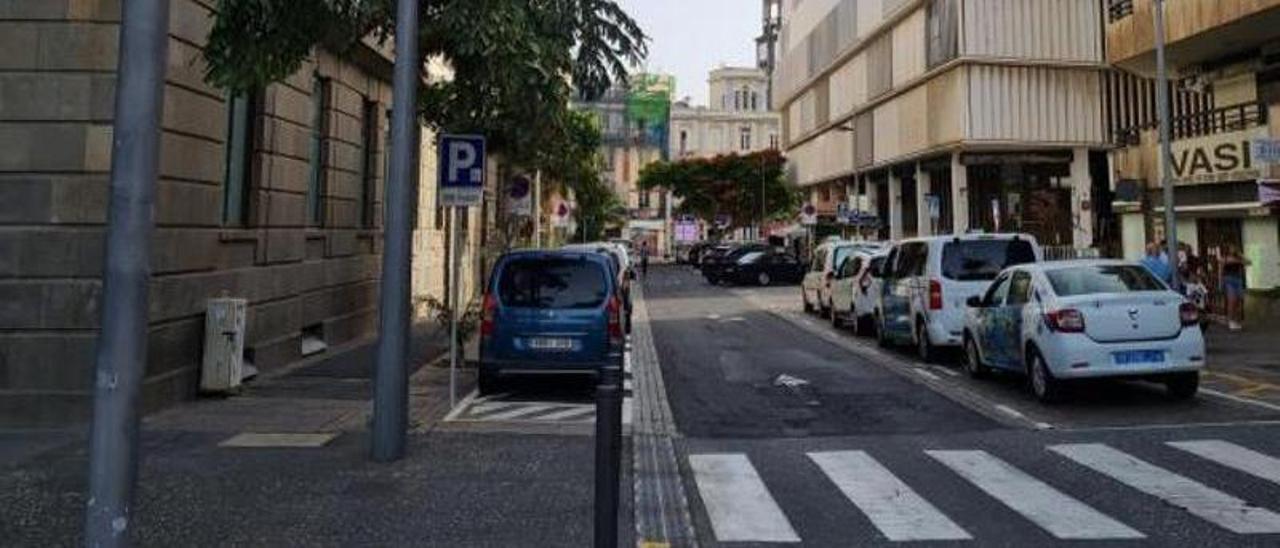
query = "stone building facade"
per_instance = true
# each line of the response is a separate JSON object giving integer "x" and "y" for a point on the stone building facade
{"x": 273, "y": 196}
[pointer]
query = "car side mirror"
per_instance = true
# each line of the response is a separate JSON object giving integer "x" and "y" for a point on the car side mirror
{"x": 974, "y": 302}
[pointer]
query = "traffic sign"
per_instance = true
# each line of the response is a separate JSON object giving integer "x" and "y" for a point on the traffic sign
{"x": 520, "y": 195}
{"x": 809, "y": 215}
{"x": 461, "y": 170}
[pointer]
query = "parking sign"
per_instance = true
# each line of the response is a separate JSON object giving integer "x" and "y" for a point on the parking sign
{"x": 461, "y": 170}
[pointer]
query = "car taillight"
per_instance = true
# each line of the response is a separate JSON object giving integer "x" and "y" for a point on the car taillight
{"x": 1067, "y": 320}
{"x": 487, "y": 313}
{"x": 614, "y": 312}
{"x": 1190, "y": 314}
{"x": 935, "y": 295}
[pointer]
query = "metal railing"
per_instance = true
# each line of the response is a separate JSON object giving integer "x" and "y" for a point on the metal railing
{"x": 1209, "y": 122}
{"x": 1119, "y": 9}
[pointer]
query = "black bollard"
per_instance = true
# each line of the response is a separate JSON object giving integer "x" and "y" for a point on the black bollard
{"x": 608, "y": 455}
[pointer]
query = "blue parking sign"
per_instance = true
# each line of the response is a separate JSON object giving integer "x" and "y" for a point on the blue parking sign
{"x": 462, "y": 170}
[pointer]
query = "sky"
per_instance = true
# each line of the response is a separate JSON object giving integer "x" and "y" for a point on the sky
{"x": 691, "y": 37}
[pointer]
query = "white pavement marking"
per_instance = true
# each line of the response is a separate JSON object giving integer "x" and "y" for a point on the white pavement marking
{"x": 267, "y": 440}
{"x": 737, "y": 501}
{"x": 1062, "y": 516}
{"x": 948, "y": 371}
{"x": 927, "y": 374}
{"x": 491, "y": 406}
{"x": 1009, "y": 411}
{"x": 585, "y": 413}
{"x": 523, "y": 411}
{"x": 627, "y": 412}
{"x": 891, "y": 505}
{"x": 1238, "y": 399}
{"x": 1229, "y": 454}
{"x": 1200, "y": 500}
{"x": 473, "y": 397}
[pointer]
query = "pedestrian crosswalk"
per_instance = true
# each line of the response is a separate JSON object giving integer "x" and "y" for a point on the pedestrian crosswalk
{"x": 740, "y": 506}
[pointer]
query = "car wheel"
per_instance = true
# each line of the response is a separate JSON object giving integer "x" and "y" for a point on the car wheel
{"x": 924, "y": 348}
{"x": 1043, "y": 386}
{"x": 1183, "y": 386}
{"x": 763, "y": 279}
{"x": 488, "y": 383}
{"x": 973, "y": 360}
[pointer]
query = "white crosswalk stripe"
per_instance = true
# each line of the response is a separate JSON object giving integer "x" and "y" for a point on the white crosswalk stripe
{"x": 737, "y": 501}
{"x": 1062, "y": 516}
{"x": 896, "y": 510}
{"x": 1200, "y": 500}
{"x": 1231, "y": 455}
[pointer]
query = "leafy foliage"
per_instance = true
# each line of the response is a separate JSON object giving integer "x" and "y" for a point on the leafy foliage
{"x": 727, "y": 185}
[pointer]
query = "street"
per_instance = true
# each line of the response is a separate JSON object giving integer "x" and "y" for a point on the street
{"x": 792, "y": 432}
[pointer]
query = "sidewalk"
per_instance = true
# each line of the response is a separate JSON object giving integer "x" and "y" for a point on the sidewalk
{"x": 454, "y": 488}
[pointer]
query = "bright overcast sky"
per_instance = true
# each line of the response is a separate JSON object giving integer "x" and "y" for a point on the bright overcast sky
{"x": 691, "y": 37}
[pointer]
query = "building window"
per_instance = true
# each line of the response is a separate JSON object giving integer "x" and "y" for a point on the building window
{"x": 746, "y": 96}
{"x": 773, "y": 141}
{"x": 744, "y": 138}
{"x": 684, "y": 142}
{"x": 320, "y": 89}
{"x": 737, "y": 100}
{"x": 369, "y": 158}
{"x": 755, "y": 101}
{"x": 942, "y": 24}
{"x": 241, "y": 111}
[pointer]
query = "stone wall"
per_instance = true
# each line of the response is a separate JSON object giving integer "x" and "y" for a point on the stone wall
{"x": 57, "y": 63}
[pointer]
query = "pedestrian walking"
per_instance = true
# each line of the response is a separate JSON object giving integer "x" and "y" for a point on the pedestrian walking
{"x": 1157, "y": 263}
{"x": 644, "y": 258}
{"x": 1232, "y": 282}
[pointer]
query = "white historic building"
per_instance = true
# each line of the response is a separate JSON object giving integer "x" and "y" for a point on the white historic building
{"x": 738, "y": 119}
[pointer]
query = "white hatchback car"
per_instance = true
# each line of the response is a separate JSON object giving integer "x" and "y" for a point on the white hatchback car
{"x": 816, "y": 287}
{"x": 855, "y": 289}
{"x": 1069, "y": 320}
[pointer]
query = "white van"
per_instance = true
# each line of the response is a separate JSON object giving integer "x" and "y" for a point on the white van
{"x": 827, "y": 259}
{"x": 928, "y": 281}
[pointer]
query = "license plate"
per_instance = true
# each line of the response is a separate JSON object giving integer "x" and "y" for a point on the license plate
{"x": 1132, "y": 357}
{"x": 551, "y": 344}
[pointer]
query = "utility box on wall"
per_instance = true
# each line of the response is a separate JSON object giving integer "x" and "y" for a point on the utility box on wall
{"x": 224, "y": 333}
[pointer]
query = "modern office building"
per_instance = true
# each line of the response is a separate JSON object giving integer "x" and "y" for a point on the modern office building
{"x": 944, "y": 116}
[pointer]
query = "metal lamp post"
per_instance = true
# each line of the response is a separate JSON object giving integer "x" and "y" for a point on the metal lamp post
{"x": 1166, "y": 145}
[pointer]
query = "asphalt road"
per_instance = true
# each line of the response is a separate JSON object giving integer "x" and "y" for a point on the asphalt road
{"x": 795, "y": 433}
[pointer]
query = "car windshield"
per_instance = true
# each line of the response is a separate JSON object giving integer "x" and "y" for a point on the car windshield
{"x": 552, "y": 283}
{"x": 751, "y": 257}
{"x": 1092, "y": 280}
{"x": 975, "y": 260}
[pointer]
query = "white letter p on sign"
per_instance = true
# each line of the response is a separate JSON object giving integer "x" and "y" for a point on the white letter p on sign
{"x": 462, "y": 156}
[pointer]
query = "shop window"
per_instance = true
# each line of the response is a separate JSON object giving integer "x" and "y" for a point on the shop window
{"x": 238, "y": 174}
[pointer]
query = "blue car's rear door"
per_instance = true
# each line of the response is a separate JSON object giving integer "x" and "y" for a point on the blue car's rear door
{"x": 552, "y": 310}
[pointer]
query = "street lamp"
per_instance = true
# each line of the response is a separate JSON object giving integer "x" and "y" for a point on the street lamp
{"x": 1166, "y": 145}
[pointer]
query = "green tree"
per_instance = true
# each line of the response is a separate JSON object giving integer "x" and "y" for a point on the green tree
{"x": 729, "y": 184}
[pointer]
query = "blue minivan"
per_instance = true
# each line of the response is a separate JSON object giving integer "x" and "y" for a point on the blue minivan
{"x": 550, "y": 312}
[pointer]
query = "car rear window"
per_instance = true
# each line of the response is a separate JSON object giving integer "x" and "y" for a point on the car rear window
{"x": 974, "y": 260}
{"x": 841, "y": 254}
{"x": 552, "y": 283}
{"x": 1090, "y": 280}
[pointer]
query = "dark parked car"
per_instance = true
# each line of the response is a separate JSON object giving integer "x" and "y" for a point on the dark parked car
{"x": 714, "y": 263}
{"x": 765, "y": 267}
{"x": 550, "y": 312}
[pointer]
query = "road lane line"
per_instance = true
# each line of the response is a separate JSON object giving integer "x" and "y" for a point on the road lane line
{"x": 1200, "y": 500}
{"x": 583, "y": 413}
{"x": 1062, "y": 516}
{"x": 897, "y": 511}
{"x": 927, "y": 374}
{"x": 737, "y": 501}
{"x": 1234, "y": 456}
{"x": 519, "y": 412}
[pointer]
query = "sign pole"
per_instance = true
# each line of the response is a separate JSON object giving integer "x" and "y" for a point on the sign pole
{"x": 537, "y": 209}
{"x": 455, "y": 349}
{"x": 391, "y": 385}
{"x": 122, "y": 344}
{"x": 1166, "y": 146}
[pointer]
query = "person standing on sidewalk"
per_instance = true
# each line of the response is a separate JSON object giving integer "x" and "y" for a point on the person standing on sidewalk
{"x": 1233, "y": 265}
{"x": 1157, "y": 263}
{"x": 644, "y": 258}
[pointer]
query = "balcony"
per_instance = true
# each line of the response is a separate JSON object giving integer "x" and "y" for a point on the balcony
{"x": 1196, "y": 31}
{"x": 1210, "y": 122}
